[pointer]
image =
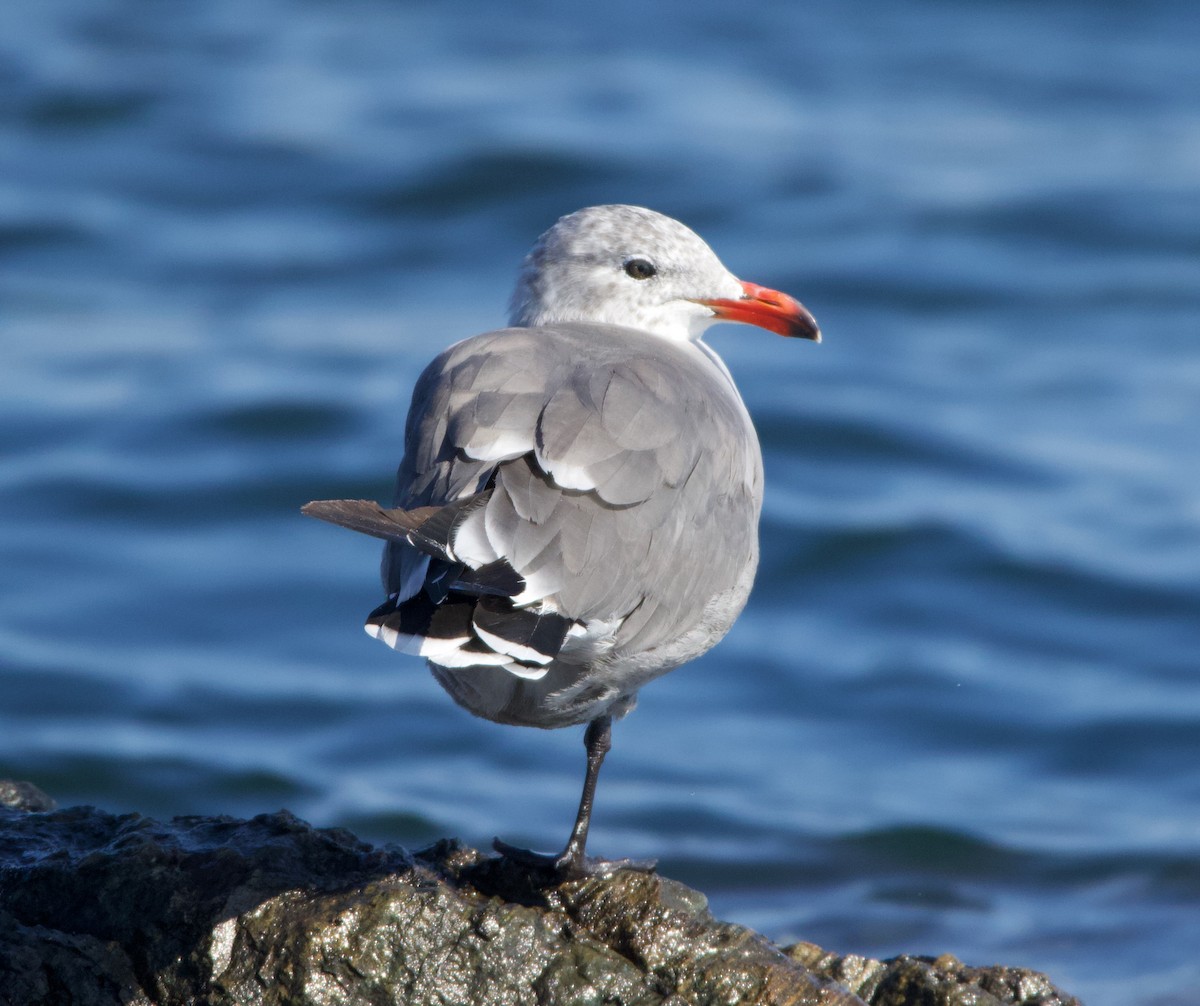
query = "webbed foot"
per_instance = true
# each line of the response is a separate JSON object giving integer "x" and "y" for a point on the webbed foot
{"x": 570, "y": 864}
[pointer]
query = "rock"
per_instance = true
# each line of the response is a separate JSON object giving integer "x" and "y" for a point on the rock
{"x": 24, "y": 796}
{"x": 930, "y": 981}
{"x": 103, "y": 909}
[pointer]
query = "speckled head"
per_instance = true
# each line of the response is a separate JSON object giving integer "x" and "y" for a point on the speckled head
{"x": 625, "y": 265}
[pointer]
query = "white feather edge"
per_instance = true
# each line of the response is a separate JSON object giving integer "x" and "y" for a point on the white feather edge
{"x": 502, "y": 447}
{"x": 517, "y": 652}
{"x": 471, "y": 544}
{"x": 450, "y": 652}
{"x": 566, "y": 476}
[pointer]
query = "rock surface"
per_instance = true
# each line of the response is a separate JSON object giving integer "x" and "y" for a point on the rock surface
{"x": 99, "y": 909}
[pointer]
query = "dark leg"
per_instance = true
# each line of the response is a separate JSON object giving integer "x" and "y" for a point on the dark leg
{"x": 597, "y": 741}
{"x": 572, "y": 861}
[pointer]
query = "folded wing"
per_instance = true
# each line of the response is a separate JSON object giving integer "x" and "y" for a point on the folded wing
{"x": 559, "y": 500}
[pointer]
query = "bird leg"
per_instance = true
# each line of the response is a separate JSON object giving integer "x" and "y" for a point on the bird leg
{"x": 572, "y": 862}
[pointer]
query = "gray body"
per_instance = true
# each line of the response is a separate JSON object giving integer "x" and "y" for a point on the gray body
{"x": 626, "y": 485}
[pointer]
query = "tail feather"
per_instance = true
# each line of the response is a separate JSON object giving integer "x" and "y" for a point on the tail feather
{"x": 428, "y": 529}
{"x": 460, "y": 616}
{"x": 369, "y": 517}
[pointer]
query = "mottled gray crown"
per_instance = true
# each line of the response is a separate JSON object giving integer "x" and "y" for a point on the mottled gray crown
{"x": 576, "y": 272}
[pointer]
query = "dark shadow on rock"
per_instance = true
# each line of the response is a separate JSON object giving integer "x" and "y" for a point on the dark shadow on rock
{"x": 104, "y": 909}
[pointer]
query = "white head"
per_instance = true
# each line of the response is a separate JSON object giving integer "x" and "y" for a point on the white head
{"x": 625, "y": 265}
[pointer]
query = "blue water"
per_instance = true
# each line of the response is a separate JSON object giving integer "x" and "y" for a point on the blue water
{"x": 962, "y": 710}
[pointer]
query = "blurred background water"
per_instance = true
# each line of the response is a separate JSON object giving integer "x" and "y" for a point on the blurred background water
{"x": 961, "y": 712}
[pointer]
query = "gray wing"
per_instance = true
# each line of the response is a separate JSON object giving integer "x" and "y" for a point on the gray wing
{"x": 625, "y": 474}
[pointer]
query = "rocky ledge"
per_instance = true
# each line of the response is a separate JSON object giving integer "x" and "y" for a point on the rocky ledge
{"x": 102, "y": 909}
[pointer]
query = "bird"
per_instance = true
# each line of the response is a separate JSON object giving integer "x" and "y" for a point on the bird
{"x": 576, "y": 510}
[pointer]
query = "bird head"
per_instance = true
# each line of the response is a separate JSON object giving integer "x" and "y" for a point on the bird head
{"x": 625, "y": 265}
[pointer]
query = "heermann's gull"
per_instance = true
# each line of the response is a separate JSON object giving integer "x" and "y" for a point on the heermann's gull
{"x": 577, "y": 507}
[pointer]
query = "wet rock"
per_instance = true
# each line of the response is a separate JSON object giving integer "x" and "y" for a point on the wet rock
{"x": 104, "y": 909}
{"x": 24, "y": 796}
{"x": 930, "y": 981}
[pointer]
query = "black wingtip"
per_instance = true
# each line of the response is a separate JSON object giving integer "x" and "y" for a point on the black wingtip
{"x": 496, "y": 578}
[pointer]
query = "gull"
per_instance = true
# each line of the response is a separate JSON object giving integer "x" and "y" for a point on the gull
{"x": 576, "y": 512}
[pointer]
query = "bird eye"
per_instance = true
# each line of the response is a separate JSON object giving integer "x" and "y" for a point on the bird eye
{"x": 639, "y": 268}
